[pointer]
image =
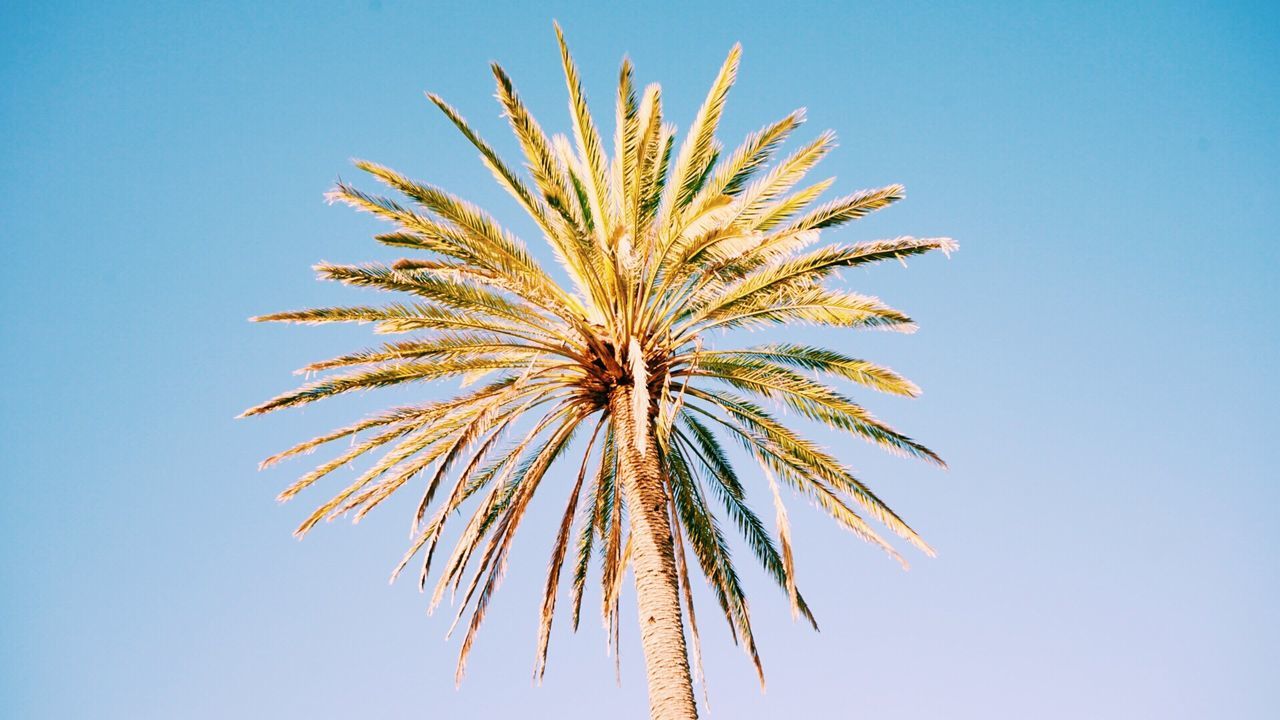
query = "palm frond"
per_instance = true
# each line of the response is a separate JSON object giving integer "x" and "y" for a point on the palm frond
{"x": 556, "y": 564}
{"x": 696, "y": 154}
{"x": 802, "y": 461}
{"x": 851, "y": 207}
{"x": 818, "y": 265}
{"x": 812, "y": 399}
{"x": 753, "y": 154}
{"x": 589, "y": 146}
{"x": 712, "y": 551}
{"x": 428, "y": 284}
{"x": 702, "y": 445}
{"x": 385, "y": 376}
{"x": 500, "y": 542}
{"x": 603, "y": 494}
{"x": 504, "y": 175}
{"x": 823, "y": 360}
{"x": 444, "y": 345}
{"x": 813, "y": 305}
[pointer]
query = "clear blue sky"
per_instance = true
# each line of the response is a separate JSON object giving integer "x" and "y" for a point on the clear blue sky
{"x": 1098, "y": 360}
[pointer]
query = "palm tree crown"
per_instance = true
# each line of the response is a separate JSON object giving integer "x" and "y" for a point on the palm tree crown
{"x": 661, "y": 246}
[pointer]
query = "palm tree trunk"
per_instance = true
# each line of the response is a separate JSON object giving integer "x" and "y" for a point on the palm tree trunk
{"x": 653, "y": 562}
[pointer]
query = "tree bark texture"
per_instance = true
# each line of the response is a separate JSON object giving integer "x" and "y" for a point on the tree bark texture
{"x": 654, "y": 565}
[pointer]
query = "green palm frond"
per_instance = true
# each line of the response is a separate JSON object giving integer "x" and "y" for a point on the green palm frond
{"x": 702, "y": 444}
{"x": 712, "y": 551}
{"x": 670, "y": 245}
{"x": 802, "y": 460}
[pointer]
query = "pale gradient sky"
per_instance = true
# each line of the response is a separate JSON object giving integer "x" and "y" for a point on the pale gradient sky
{"x": 1098, "y": 359}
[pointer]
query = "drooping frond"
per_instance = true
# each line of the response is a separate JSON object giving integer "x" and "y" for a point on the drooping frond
{"x": 803, "y": 461}
{"x": 390, "y": 417}
{"x": 702, "y": 444}
{"x": 710, "y": 547}
{"x": 594, "y": 522}
{"x": 503, "y": 534}
{"x": 671, "y": 245}
{"x": 558, "y": 552}
{"x": 784, "y": 539}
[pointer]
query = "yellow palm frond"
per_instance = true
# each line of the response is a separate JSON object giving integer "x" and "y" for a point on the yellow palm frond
{"x": 696, "y": 153}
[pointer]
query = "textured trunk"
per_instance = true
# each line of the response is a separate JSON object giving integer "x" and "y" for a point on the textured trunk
{"x": 653, "y": 562}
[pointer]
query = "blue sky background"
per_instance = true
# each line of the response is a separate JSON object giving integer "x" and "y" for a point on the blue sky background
{"x": 1098, "y": 359}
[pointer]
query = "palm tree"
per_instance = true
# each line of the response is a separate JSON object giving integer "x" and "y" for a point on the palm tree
{"x": 659, "y": 252}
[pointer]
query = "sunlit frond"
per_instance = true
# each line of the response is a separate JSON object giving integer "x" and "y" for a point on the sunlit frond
{"x": 590, "y": 149}
{"x": 823, "y": 360}
{"x": 700, "y": 145}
